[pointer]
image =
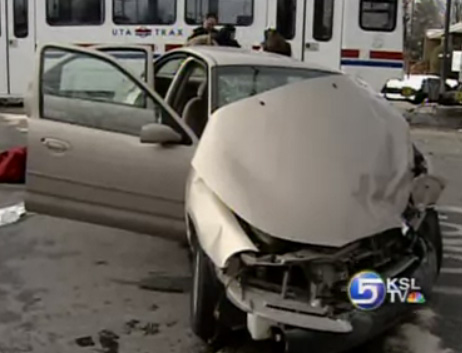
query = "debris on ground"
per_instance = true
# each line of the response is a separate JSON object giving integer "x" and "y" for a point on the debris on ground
{"x": 85, "y": 342}
{"x": 12, "y": 214}
{"x": 154, "y": 307}
{"x": 147, "y": 329}
{"x": 109, "y": 341}
{"x": 150, "y": 329}
{"x": 131, "y": 326}
{"x": 172, "y": 323}
{"x": 166, "y": 283}
{"x": 101, "y": 263}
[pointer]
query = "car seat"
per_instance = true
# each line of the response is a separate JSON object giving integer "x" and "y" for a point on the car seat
{"x": 195, "y": 113}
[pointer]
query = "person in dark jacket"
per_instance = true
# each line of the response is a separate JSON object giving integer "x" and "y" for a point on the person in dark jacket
{"x": 275, "y": 43}
{"x": 226, "y": 37}
{"x": 208, "y": 27}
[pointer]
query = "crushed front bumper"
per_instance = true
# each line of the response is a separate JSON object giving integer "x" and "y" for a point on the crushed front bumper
{"x": 303, "y": 323}
{"x": 366, "y": 325}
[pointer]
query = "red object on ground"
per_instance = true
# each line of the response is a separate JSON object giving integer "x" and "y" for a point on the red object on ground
{"x": 13, "y": 166}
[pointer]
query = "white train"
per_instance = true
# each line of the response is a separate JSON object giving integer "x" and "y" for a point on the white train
{"x": 361, "y": 37}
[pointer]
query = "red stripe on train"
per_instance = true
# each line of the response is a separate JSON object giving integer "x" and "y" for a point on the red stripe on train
{"x": 350, "y": 53}
{"x": 169, "y": 47}
{"x": 387, "y": 55}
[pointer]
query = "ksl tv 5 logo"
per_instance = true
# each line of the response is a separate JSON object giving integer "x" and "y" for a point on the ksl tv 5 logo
{"x": 367, "y": 290}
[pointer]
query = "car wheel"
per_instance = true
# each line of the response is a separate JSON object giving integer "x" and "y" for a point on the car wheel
{"x": 431, "y": 230}
{"x": 205, "y": 295}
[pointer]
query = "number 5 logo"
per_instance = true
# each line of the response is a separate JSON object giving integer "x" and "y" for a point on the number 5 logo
{"x": 368, "y": 285}
{"x": 367, "y": 290}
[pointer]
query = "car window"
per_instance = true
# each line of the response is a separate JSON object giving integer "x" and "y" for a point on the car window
{"x": 170, "y": 67}
{"x": 96, "y": 88}
{"x": 199, "y": 73}
{"x": 239, "y": 82}
{"x": 133, "y": 59}
{"x": 92, "y": 79}
{"x": 164, "y": 73}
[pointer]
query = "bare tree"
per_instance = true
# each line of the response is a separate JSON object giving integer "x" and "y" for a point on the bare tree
{"x": 425, "y": 16}
{"x": 457, "y": 11}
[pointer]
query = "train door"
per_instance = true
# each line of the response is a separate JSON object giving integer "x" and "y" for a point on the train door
{"x": 373, "y": 41}
{"x": 20, "y": 44}
{"x": 313, "y": 28}
{"x": 323, "y": 32}
{"x": 290, "y": 23}
{"x": 3, "y": 51}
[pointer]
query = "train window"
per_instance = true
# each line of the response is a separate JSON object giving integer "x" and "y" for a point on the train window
{"x": 378, "y": 15}
{"x": 75, "y": 12}
{"x": 323, "y": 20}
{"x": 234, "y": 12}
{"x": 147, "y": 12}
{"x": 286, "y": 18}
{"x": 21, "y": 18}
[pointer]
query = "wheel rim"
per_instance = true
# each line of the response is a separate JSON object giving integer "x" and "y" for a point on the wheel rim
{"x": 197, "y": 260}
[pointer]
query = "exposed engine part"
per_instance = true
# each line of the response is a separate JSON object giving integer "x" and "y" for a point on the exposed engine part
{"x": 319, "y": 276}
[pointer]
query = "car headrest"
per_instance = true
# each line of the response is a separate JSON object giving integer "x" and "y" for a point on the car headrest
{"x": 202, "y": 90}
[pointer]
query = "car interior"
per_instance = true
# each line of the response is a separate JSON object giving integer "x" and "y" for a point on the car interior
{"x": 165, "y": 73}
{"x": 162, "y": 83}
{"x": 195, "y": 112}
{"x": 191, "y": 97}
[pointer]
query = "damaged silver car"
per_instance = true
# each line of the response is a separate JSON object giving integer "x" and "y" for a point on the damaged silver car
{"x": 296, "y": 179}
{"x": 293, "y": 192}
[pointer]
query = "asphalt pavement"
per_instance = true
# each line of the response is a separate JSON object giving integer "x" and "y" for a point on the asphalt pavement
{"x": 74, "y": 287}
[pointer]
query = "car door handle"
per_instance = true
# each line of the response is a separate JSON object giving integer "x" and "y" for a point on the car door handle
{"x": 55, "y": 145}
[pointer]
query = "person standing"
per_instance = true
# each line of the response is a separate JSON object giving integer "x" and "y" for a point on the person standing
{"x": 207, "y": 28}
{"x": 226, "y": 37}
{"x": 275, "y": 43}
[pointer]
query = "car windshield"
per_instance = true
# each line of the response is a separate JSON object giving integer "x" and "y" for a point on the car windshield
{"x": 239, "y": 82}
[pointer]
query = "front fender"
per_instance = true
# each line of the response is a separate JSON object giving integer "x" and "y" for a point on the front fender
{"x": 217, "y": 229}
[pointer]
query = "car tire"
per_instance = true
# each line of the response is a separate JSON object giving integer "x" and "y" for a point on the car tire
{"x": 431, "y": 230}
{"x": 205, "y": 295}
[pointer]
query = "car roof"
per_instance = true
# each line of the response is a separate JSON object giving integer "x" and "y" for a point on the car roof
{"x": 227, "y": 56}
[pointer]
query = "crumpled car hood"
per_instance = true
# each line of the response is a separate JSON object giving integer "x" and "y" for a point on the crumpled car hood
{"x": 322, "y": 162}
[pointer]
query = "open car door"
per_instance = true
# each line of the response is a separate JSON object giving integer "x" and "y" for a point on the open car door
{"x": 103, "y": 147}
{"x": 139, "y": 59}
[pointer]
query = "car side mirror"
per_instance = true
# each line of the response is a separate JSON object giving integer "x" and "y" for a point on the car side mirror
{"x": 157, "y": 133}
